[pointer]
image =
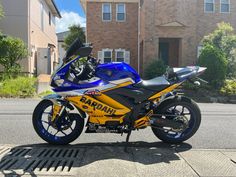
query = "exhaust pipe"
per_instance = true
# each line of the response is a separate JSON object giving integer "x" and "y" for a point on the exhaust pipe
{"x": 160, "y": 122}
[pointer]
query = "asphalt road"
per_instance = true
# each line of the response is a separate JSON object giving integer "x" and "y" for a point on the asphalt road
{"x": 217, "y": 131}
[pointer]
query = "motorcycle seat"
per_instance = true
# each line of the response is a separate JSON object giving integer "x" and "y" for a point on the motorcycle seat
{"x": 156, "y": 84}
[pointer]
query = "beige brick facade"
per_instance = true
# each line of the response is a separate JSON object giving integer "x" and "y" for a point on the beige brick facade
{"x": 33, "y": 21}
{"x": 170, "y": 29}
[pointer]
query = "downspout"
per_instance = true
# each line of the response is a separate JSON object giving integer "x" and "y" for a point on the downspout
{"x": 29, "y": 38}
{"x": 139, "y": 23}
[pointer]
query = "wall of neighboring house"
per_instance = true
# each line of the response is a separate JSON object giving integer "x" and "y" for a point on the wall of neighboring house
{"x": 169, "y": 22}
{"x": 42, "y": 37}
{"x": 15, "y": 22}
{"x": 23, "y": 19}
{"x": 183, "y": 22}
{"x": 206, "y": 21}
{"x": 113, "y": 35}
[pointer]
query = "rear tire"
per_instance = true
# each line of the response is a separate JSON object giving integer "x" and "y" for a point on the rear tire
{"x": 40, "y": 129}
{"x": 195, "y": 118}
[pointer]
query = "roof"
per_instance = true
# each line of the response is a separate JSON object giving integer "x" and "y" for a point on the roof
{"x": 61, "y": 36}
{"x": 83, "y": 2}
{"x": 52, "y": 5}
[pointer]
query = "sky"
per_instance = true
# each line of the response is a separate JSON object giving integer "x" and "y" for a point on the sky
{"x": 71, "y": 12}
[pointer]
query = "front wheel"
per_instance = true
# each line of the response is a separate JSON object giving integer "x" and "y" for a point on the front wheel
{"x": 183, "y": 110}
{"x": 61, "y": 132}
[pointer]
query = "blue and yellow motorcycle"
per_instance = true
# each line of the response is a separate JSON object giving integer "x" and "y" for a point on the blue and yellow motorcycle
{"x": 112, "y": 98}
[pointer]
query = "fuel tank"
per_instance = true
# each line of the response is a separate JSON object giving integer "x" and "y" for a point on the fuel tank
{"x": 115, "y": 71}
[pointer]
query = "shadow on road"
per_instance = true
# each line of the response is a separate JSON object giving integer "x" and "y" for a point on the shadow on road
{"x": 42, "y": 159}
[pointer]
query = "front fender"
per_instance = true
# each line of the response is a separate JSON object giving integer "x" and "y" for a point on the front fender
{"x": 52, "y": 97}
{"x": 58, "y": 98}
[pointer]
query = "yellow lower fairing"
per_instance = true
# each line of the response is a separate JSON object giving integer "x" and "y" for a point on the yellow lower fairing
{"x": 56, "y": 110}
{"x": 165, "y": 91}
{"x": 100, "y": 108}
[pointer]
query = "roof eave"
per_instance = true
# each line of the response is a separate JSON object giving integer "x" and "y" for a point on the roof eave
{"x": 52, "y": 5}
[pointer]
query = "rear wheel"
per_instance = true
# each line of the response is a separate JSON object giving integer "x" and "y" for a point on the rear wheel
{"x": 180, "y": 109}
{"x": 65, "y": 130}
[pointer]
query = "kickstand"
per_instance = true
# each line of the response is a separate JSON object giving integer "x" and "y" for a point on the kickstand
{"x": 127, "y": 141}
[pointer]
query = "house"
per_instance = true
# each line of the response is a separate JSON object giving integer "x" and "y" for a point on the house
{"x": 60, "y": 39}
{"x": 34, "y": 22}
{"x": 138, "y": 31}
{"x": 113, "y": 29}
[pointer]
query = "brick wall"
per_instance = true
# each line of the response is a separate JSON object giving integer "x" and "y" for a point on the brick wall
{"x": 195, "y": 25}
{"x": 113, "y": 34}
{"x": 184, "y": 20}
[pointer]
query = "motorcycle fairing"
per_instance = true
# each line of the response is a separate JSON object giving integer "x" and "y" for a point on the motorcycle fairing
{"x": 100, "y": 108}
{"x": 104, "y": 74}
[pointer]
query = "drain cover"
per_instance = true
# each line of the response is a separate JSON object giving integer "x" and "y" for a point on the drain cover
{"x": 39, "y": 160}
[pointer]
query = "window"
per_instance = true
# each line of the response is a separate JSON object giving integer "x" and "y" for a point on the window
{"x": 120, "y": 12}
{"x": 105, "y": 56}
{"x": 209, "y": 5}
{"x": 42, "y": 16}
{"x": 50, "y": 18}
{"x": 120, "y": 55}
{"x": 106, "y": 12}
{"x": 224, "y": 6}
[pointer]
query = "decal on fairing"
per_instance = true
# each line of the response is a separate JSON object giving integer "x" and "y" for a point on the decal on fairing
{"x": 94, "y": 92}
{"x": 97, "y": 106}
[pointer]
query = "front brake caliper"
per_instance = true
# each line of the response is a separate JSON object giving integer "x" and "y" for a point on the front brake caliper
{"x": 56, "y": 110}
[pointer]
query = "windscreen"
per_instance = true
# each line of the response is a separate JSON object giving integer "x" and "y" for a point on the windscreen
{"x": 74, "y": 47}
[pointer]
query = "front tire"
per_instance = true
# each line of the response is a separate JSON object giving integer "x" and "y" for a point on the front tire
{"x": 49, "y": 131}
{"x": 193, "y": 124}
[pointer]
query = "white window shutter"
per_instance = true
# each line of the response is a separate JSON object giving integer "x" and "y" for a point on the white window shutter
{"x": 100, "y": 56}
{"x": 127, "y": 57}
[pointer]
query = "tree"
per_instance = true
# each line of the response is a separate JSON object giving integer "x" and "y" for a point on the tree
{"x": 75, "y": 31}
{"x": 224, "y": 39}
{"x": 12, "y": 50}
{"x": 216, "y": 63}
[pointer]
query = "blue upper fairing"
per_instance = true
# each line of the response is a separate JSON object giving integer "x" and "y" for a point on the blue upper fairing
{"x": 60, "y": 74}
{"x": 116, "y": 71}
{"x": 104, "y": 73}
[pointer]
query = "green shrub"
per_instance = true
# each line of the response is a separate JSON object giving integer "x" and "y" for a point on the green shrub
{"x": 216, "y": 64}
{"x": 12, "y": 50}
{"x": 229, "y": 87}
{"x": 154, "y": 68}
{"x": 19, "y": 87}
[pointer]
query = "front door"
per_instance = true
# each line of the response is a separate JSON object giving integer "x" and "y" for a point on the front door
{"x": 169, "y": 50}
{"x": 164, "y": 52}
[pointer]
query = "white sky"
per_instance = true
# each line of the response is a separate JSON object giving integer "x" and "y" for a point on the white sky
{"x": 68, "y": 19}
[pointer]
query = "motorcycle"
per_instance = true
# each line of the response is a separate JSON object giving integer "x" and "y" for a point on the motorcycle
{"x": 112, "y": 98}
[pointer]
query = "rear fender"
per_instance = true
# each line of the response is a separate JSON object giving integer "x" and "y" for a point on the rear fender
{"x": 170, "y": 99}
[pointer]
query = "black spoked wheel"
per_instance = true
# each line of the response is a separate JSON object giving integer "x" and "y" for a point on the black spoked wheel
{"x": 63, "y": 131}
{"x": 181, "y": 110}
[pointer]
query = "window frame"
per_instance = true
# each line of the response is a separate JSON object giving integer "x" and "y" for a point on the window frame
{"x": 116, "y": 52}
{"x": 103, "y": 54}
{"x": 117, "y": 5}
{"x": 110, "y": 12}
{"x": 205, "y": 11}
{"x": 224, "y": 4}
